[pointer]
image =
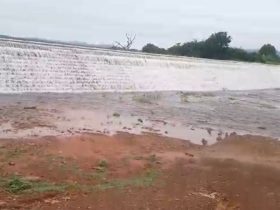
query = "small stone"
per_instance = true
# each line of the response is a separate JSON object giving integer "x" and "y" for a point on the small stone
{"x": 204, "y": 142}
{"x": 30, "y": 107}
{"x": 50, "y": 201}
{"x": 3, "y": 204}
{"x": 140, "y": 120}
{"x": 12, "y": 163}
{"x": 67, "y": 198}
{"x": 189, "y": 154}
{"x": 209, "y": 131}
{"x": 116, "y": 114}
{"x": 32, "y": 178}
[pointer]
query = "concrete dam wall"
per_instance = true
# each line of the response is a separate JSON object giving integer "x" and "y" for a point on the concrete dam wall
{"x": 40, "y": 67}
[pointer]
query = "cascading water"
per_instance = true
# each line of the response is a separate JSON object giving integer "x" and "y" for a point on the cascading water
{"x": 41, "y": 67}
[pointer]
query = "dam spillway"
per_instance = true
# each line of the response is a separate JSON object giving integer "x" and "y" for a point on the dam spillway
{"x": 27, "y": 66}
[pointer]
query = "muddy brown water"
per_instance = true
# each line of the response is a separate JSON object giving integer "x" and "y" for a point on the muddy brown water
{"x": 186, "y": 115}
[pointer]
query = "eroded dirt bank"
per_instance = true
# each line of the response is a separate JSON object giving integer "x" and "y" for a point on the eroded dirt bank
{"x": 126, "y": 171}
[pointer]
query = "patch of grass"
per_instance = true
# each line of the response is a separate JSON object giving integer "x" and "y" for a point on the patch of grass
{"x": 42, "y": 187}
{"x": 138, "y": 158}
{"x": 99, "y": 175}
{"x": 14, "y": 153}
{"x": 103, "y": 164}
{"x": 145, "y": 180}
{"x": 71, "y": 168}
{"x": 152, "y": 158}
{"x": 142, "y": 99}
{"x": 17, "y": 185}
{"x": 100, "y": 171}
{"x": 62, "y": 164}
{"x": 186, "y": 97}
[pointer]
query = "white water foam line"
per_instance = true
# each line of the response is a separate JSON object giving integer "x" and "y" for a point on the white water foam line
{"x": 41, "y": 67}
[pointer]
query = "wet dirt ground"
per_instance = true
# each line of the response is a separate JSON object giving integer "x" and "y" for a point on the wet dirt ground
{"x": 140, "y": 151}
{"x": 185, "y": 115}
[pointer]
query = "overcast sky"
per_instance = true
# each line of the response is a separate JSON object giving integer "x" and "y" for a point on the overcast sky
{"x": 251, "y": 23}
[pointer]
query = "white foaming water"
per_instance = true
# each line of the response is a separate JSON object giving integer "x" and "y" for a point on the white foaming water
{"x": 41, "y": 67}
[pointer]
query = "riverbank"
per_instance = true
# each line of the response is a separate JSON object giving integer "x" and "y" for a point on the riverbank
{"x": 127, "y": 171}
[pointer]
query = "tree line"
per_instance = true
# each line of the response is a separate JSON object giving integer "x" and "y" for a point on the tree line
{"x": 217, "y": 47}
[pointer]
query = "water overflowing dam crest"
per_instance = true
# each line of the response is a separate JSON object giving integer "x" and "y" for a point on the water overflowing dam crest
{"x": 40, "y": 67}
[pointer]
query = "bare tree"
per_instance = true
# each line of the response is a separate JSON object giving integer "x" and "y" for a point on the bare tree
{"x": 129, "y": 42}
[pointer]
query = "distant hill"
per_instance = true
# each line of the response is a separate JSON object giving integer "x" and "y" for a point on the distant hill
{"x": 72, "y": 43}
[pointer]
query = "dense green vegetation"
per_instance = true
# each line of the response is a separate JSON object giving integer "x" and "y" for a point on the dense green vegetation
{"x": 217, "y": 47}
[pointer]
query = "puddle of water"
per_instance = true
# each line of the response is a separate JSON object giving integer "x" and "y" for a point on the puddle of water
{"x": 107, "y": 123}
{"x": 75, "y": 121}
{"x": 163, "y": 113}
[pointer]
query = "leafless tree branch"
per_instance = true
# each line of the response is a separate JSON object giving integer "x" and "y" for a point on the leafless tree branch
{"x": 129, "y": 42}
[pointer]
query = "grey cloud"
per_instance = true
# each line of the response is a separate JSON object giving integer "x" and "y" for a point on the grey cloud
{"x": 250, "y": 22}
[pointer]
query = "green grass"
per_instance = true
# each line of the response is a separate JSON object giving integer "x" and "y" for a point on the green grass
{"x": 102, "y": 166}
{"x": 17, "y": 185}
{"x": 152, "y": 158}
{"x": 100, "y": 171}
{"x": 62, "y": 164}
{"x": 98, "y": 175}
{"x": 13, "y": 154}
{"x": 145, "y": 180}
